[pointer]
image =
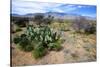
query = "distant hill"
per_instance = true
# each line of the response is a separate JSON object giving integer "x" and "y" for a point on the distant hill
{"x": 56, "y": 15}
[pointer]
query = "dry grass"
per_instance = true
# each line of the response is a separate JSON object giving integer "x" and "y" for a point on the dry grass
{"x": 76, "y": 48}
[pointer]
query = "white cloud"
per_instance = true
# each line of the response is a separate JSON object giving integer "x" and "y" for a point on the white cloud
{"x": 32, "y": 7}
{"x": 67, "y": 8}
{"x": 79, "y": 6}
{"x": 26, "y": 6}
{"x": 58, "y": 10}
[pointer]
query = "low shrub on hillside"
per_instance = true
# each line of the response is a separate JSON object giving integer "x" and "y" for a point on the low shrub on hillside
{"x": 82, "y": 25}
{"x": 22, "y": 22}
{"x": 23, "y": 43}
{"x": 41, "y": 19}
{"x": 39, "y": 39}
{"x": 39, "y": 51}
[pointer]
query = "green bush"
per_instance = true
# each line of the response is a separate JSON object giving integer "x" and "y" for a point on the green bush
{"x": 16, "y": 40}
{"x": 43, "y": 34}
{"x": 19, "y": 29}
{"x": 41, "y": 19}
{"x": 55, "y": 46}
{"x": 39, "y": 52}
{"x": 23, "y": 43}
{"x": 39, "y": 39}
{"x": 21, "y": 22}
{"x": 82, "y": 25}
{"x": 91, "y": 29}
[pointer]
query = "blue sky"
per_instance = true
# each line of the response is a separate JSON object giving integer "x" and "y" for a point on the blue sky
{"x": 24, "y": 7}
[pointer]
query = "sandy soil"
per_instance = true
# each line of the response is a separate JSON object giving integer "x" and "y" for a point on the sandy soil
{"x": 76, "y": 48}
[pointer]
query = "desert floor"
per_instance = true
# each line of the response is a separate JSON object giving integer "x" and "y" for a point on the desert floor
{"x": 76, "y": 48}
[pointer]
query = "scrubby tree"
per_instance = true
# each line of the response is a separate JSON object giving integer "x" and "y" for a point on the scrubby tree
{"x": 22, "y": 22}
{"x": 40, "y": 18}
{"x": 49, "y": 19}
{"x": 84, "y": 24}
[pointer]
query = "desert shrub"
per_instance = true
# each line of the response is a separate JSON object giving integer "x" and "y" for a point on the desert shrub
{"x": 18, "y": 29}
{"x": 15, "y": 29}
{"x": 55, "y": 46}
{"x": 41, "y": 19}
{"x": 60, "y": 26}
{"x": 38, "y": 18}
{"x": 91, "y": 29}
{"x": 22, "y": 22}
{"x": 16, "y": 40}
{"x": 39, "y": 39}
{"x": 39, "y": 52}
{"x": 48, "y": 19}
{"x": 43, "y": 34}
{"x": 55, "y": 25}
{"x": 64, "y": 26}
{"x": 23, "y": 43}
{"x": 82, "y": 25}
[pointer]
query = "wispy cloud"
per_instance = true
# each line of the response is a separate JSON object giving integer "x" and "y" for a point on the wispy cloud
{"x": 40, "y": 7}
{"x": 33, "y": 6}
{"x": 70, "y": 8}
{"x": 29, "y": 6}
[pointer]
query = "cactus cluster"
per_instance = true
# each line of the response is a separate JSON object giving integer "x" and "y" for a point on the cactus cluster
{"x": 40, "y": 39}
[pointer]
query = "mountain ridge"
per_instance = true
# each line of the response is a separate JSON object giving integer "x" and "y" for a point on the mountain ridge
{"x": 56, "y": 15}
